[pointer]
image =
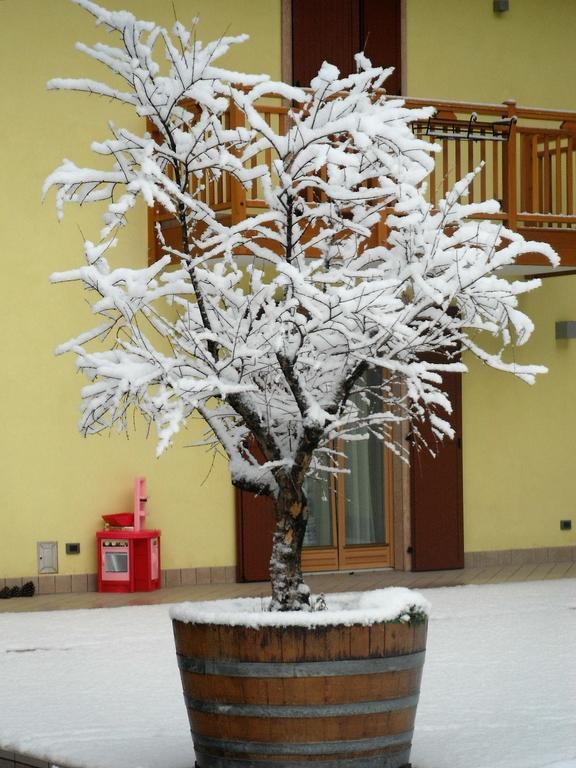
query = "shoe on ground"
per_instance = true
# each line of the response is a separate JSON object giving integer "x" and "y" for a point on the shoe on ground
{"x": 28, "y": 589}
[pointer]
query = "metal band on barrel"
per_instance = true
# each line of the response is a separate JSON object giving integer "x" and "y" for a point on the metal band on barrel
{"x": 305, "y": 748}
{"x": 396, "y": 759}
{"x": 320, "y": 710}
{"x": 301, "y": 668}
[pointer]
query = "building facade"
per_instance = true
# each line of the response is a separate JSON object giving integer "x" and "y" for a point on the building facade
{"x": 515, "y": 444}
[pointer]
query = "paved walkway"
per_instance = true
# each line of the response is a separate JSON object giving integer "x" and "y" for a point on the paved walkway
{"x": 326, "y": 582}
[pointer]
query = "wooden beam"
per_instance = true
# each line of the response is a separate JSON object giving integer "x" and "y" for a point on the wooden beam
{"x": 562, "y": 240}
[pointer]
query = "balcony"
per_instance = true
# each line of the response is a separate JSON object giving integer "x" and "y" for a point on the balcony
{"x": 528, "y": 158}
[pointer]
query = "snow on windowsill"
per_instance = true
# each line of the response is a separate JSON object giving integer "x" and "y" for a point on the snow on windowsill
{"x": 365, "y": 608}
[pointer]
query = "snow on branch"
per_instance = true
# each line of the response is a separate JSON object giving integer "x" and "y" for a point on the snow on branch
{"x": 295, "y": 327}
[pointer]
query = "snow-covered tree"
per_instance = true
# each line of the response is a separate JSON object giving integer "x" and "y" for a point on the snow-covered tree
{"x": 268, "y": 327}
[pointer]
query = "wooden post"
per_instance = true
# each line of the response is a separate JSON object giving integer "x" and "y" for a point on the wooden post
{"x": 237, "y": 191}
{"x": 153, "y": 212}
{"x": 509, "y": 170}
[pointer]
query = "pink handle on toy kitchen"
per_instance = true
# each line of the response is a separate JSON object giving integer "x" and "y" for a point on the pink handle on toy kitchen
{"x": 140, "y": 499}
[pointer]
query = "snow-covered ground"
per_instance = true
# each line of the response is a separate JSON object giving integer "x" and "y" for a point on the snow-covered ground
{"x": 100, "y": 688}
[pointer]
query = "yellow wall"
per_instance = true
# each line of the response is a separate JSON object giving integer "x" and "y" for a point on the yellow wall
{"x": 519, "y": 478}
{"x": 461, "y": 49}
{"x": 54, "y": 484}
{"x": 518, "y": 446}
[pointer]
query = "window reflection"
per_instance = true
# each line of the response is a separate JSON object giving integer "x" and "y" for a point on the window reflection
{"x": 362, "y": 490}
{"x": 319, "y": 528}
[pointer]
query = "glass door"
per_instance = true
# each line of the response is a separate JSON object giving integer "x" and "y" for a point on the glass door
{"x": 320, "y": 551}
{"x": 365, "y": 507}
{"x": 349, "y": 524}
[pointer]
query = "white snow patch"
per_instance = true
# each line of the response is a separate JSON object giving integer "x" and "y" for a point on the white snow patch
{"x": 101, "y": 688}
{"x": 392, "y": 604}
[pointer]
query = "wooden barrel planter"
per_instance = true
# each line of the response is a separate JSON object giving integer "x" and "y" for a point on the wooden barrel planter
{"x": 340, "y": 696}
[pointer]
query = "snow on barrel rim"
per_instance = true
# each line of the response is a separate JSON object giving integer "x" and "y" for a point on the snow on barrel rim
{"x": 393, "y": 604}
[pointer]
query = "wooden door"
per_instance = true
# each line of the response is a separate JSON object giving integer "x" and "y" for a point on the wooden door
{"x": 436, "y": 494}
{"x": 352, "y": 528}
{"x": 254, "y": 530}
{"x": 381, "y": 38}
{"x": 356, "y": 514}
{"x": 334, "y": 30}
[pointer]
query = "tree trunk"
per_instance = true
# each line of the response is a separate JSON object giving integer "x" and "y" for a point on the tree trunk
{"x": 289, "y": 592}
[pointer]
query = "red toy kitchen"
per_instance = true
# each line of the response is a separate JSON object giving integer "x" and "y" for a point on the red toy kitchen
{"x": 128, "y": 553}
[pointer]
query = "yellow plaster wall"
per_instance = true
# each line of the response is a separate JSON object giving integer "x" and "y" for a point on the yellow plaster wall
{"x": 519, "y": 478}
{"x": 54, "y": 484}
{"x": 461, "y": 49}
{"x": 518, "y": 445}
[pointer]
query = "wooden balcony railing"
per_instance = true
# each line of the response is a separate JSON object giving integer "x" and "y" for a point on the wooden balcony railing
{"x": 528, "y": 157}
{"x": 530, "y": 171}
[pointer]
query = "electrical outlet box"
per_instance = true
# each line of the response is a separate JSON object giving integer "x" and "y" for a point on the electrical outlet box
{"x": 47, "y": 553}
{"x": 566, "y": 329}
{"x": 73, "y": 548}
{"x": 565, "y": 525}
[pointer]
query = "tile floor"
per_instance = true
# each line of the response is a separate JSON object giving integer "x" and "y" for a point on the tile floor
{"x": 326, "y": 582}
